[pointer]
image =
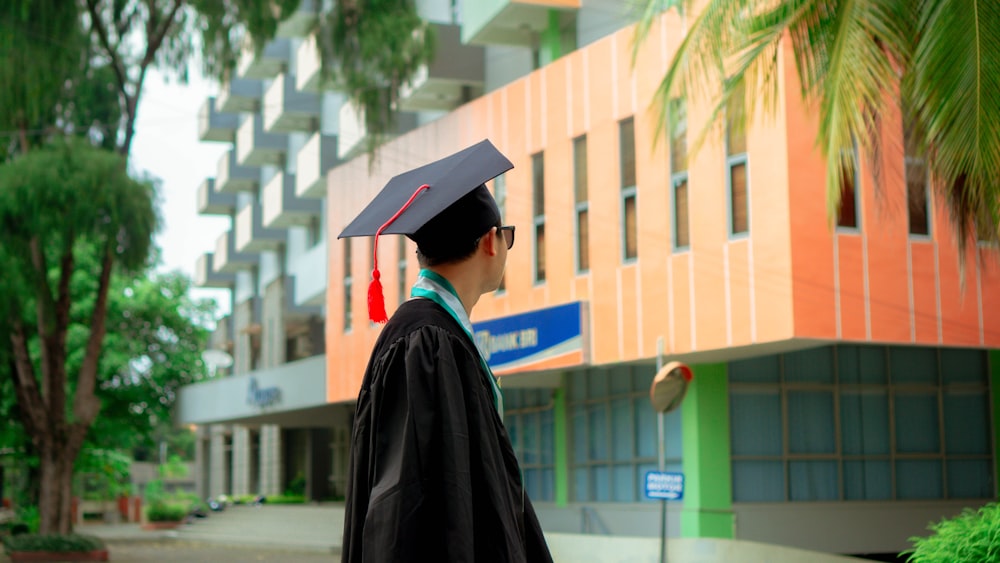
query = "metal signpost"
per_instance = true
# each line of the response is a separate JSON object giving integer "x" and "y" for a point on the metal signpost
{"x": 666, "y": 393}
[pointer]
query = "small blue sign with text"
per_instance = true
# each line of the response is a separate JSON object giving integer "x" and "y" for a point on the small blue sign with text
{"x": 665, "y": 485}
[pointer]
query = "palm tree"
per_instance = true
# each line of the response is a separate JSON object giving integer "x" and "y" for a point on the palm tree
{"x": 859, "y": 61}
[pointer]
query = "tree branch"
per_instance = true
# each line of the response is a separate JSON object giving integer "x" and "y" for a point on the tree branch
{"x": 85, "y": 404}
{"x": 44, "y": 307}
{"x": 33, "y": 404}
{"x": 66, "y": 265}
{"x": 102, "y": 33}
{"x": 154, "y": 39}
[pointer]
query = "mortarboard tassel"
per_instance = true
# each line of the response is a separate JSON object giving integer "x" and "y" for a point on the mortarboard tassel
{"x": 376, "y": 301}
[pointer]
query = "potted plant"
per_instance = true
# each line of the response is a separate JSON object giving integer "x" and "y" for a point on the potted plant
{"x": 55, "y": 547}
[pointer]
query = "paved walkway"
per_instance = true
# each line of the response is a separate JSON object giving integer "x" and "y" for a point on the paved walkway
{"x": 294, "y": 533}
{"x": 180, "y": 550}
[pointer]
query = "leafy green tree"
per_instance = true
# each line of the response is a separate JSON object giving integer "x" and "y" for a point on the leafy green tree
{"x": 148, "y": 354}
{"x": 60, "y": 204}
{"x": 859, "y": 61}
{"x": 153, "y": 347}
{"x": 371, "y": 49}
{"x": 134, "y": 36}
{"x": 32, "y": 91}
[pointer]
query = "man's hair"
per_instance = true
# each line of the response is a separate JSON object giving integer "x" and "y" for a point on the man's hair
{"x": 452, "y": 253}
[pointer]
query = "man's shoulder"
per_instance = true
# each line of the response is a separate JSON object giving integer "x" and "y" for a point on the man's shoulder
{"x": 416, "y": 315}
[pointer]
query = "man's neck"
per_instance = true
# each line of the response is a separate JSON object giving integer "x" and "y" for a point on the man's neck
{"x": 465, "y": 285}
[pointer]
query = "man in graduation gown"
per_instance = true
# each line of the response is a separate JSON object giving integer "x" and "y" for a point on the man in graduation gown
{"x": 433, "y": 476}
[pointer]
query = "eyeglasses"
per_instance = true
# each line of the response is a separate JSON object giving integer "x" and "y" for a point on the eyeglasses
{"x": 509, "y": 239}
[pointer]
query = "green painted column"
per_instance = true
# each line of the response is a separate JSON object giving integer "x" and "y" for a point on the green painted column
{"x": 994, "y": 360}
{"x": 708, "y": 497}
{"x": 562, "y": 455}
{"x": 551, "y": 40}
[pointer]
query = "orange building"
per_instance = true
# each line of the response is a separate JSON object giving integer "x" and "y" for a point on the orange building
{"x": 843, "y": 373}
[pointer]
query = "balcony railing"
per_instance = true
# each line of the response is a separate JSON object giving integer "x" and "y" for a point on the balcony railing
{"x": 232, "y": 178}
{"x": 287, "y": 110}
{"x": 239, "y": 95}
{"x": 353, "y": 134}
{"x": 452, "y": 79}
{"x": 309, "y": 271}
{"x": 206, "y": 276}
{"x": 256, "y": 147}
{"x": 509, "y": 22}
{"x": 295, "y": 308}
{"x": 308, "y": 73}
{"x": 315, "y": 158}
{"x": 214, "y": 125}
{"x": 211, "y": 202}
{"x": 300, "y": 23}
{"x": 266, "y": 63}
{"x": 282, "y": 208}
{"x": 226, "y": 259}
{"x": 251, "y": 235}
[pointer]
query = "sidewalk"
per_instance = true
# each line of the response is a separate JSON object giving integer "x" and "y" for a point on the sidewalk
{"x": 300, "y": 528}
{"x": 177, "y": 551}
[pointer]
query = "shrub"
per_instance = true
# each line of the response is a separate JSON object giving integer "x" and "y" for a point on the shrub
{"x": 296, "y": 486}
{"x": 53, "y": 542}
{"x": 30, "y": 517}
{"x": 969, "y": 537}
{"x": 244, "y": 499}
{"x": 154, "y": 493}
{"x": 285, "y": 499}
{"x": 166, "y": 512}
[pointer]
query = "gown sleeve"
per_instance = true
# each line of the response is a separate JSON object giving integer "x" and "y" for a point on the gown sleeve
{"x": 420, "y": 507}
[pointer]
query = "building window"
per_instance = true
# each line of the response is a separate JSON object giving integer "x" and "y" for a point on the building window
{"x": 404, "y": 294}
{"x": 986, "y": 230}
{"x": 847, "y": 216}
{"x": 529, "y": 416}
{"x": 736, "y": 164}
{"x": 500, "y": 195}
{"x": 348, "y": 286}
{"x": 614, "y": 435}
{"x": 916, "y": 186}
{"x": 679, "y": 172}
{"x": 582, "y": 208}
{"x": 538, "y": 191}
{"x": 626, "y": 156}
{"x": 861, "y": 423}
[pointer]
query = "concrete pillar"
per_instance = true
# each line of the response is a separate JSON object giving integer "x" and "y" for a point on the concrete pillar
{"x": 241, "y": 460}
{"x": 271, "y": 475}
{"x": 219, "y": 481}
{"x": 708, "y": 490}
{"x": 202, "y": 468}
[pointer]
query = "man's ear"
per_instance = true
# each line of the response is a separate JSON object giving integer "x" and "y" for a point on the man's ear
{"x": 490, "y": 240}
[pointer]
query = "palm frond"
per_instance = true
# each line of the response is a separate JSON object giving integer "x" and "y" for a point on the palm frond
{"x": 952, "y": 90}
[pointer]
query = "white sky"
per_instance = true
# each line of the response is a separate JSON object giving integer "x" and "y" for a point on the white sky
{"x": 166, "y": 145}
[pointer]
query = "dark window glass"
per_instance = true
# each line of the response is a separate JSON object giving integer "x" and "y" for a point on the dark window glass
{"x": 738, "y": 197}
{"x": 681, "y": 233}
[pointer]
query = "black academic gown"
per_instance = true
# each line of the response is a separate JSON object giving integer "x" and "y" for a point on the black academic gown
{"x": 433, "y": 476}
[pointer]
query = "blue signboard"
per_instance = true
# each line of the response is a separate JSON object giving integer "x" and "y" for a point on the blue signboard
{"x": 665, "y": 485}
{"x": 519, "y": 341}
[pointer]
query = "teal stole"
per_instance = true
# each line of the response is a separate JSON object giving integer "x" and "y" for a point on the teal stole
{"x": 433, "y": 286}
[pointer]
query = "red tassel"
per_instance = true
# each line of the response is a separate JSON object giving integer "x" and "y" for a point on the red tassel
{"x": 376, "y": 301}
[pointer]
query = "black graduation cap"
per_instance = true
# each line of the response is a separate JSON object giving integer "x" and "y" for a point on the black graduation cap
{"x": 434, "y": 204}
